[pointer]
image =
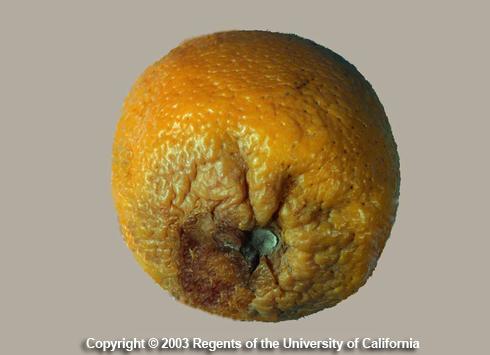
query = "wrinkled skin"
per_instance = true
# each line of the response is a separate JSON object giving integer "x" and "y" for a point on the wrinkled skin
{"x": 240, "y": 130}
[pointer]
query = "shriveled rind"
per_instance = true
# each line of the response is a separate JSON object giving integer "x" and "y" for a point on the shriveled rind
{"x": 246, "y": 129}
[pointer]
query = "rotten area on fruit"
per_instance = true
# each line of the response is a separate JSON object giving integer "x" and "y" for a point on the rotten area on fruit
{"x": 261, "y": 242}
{"x": 251, "y": 245}
{"x": 217, "y": 259}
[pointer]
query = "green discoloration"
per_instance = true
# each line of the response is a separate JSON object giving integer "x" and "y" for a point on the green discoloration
{"x": 264, "y": 241}
{"x": 261, "y": 242}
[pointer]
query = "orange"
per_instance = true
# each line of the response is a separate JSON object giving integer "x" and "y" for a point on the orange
{"x": 255, "y": 175}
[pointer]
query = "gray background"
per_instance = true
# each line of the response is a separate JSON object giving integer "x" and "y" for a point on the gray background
{"x": 67, "y": 66}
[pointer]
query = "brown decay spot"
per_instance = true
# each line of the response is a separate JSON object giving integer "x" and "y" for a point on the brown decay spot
{"x": 229, "y": 238}
{"x": 212, "y": 267}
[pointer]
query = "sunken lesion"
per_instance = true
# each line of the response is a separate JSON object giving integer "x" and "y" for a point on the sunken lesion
{"x": 213, "y": 273}
{"x": 208, "y": 276}
{"x": 217, "y": 261}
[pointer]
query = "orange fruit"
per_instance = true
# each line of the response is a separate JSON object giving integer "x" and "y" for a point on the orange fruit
{"x": 255, "y": 175}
